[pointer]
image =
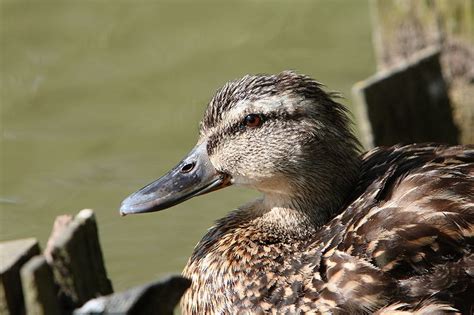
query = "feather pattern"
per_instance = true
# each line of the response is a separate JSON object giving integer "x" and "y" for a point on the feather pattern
{"x": 405, "y": 235}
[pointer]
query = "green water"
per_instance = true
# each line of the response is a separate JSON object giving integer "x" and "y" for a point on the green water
{"x": 100, "y": 97}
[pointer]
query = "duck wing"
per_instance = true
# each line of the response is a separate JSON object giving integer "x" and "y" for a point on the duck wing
{"x": 408, "y": 233}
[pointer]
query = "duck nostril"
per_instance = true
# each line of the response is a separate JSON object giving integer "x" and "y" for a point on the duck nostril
{"x": 187, "y": 168}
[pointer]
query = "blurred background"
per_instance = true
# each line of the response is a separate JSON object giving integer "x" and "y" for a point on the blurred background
{"x": 98, "y": 98}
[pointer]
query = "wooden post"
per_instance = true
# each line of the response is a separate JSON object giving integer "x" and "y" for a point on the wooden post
{"x": 76, "y": 258}
{"x": 402, "y": 28}
{"x": 406, "y": 104}
{"x": 158, "y": 297}
{"x": 39, "y": 289}
{"x": 70, "y": 276}
{"x": 13, "y": 255}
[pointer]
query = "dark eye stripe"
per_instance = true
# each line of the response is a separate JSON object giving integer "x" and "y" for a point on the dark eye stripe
{"x": 238, "y": 127}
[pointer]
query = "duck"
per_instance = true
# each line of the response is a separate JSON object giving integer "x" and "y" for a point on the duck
{"x": 335, "y": 231}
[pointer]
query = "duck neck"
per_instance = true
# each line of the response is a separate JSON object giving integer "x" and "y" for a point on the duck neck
{"x": 289, "y": 216}
{"x": 315, "y": 201}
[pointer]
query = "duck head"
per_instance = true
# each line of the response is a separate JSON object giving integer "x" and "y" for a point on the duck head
{"x": 280, "y": 134}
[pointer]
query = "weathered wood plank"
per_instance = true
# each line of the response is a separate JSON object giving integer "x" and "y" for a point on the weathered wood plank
{"x": 13, "y": 255}
{"x": 39, "y": 289}
{"x": 404, "y": 27}
{"x": 158, "y": 297}
{"x": 76, "y": 258}
{"x": 406, "y": 104}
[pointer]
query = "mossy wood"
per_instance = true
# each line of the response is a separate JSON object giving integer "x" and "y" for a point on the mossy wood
{"x": 403, "y": 27}
{"x": 406, "y": 104}
{"x": 76, "y": 257}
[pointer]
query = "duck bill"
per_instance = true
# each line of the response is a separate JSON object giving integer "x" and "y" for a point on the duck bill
{"x": 193, "y": 176}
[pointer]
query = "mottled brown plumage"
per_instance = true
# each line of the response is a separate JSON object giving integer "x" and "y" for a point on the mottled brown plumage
{"x": 406, "y": 237}
{"x": 390, "y": 231}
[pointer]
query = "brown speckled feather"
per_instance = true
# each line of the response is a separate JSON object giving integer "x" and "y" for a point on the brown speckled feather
{"x": 405, "y": 236}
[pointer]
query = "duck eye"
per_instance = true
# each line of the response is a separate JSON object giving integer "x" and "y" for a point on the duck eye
{"x": 253, "y": 120}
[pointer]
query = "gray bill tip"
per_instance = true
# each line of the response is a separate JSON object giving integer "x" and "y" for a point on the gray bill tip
{"x": 131, "y": 206}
